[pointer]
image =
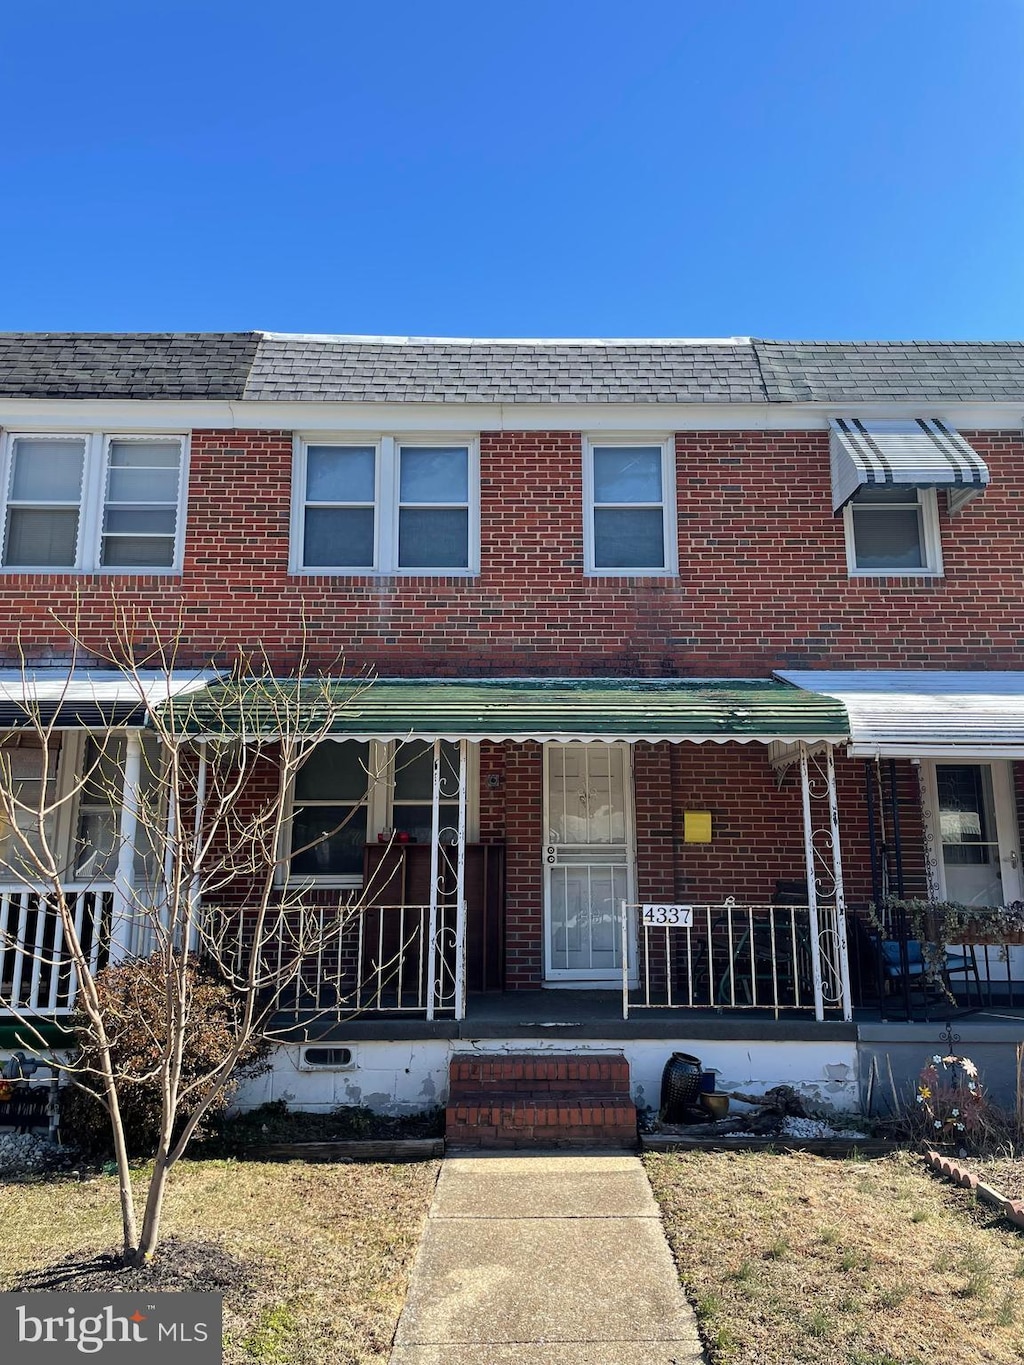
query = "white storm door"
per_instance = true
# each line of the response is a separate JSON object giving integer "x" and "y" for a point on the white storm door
{"x": 588, "y": 863}
{"x": 973, "y": 830}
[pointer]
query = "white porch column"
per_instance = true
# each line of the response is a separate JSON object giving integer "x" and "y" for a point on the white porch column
{"x": 194, "y": 892}
{"x": 460, "y": 885}
{"x": 171, "y": 905}
{"x": 435, "y": 855}
{"x": 830, "y": 964}
{"x": 842, "y": 951}
{"x": 124, "y": 914}
{"x": 812, "y": 889}
{"x": 446, "y": 981}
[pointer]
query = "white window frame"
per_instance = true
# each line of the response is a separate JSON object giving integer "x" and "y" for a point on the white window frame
{"x": 376, "y": 759}
{"x": 386, "y": 506}
{"x": 668, "y": 493}
{"x": 378, "y": 806}
{"x": 931, "y": 543}
{"x": 89, "y": 548}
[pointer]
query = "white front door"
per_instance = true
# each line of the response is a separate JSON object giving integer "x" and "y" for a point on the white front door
{"x": 975, "y": 852}
{"x": 588, "y": 862}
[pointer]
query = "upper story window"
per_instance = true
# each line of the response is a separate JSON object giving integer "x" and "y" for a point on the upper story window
{"x": 892, "y": 529}
{"x": 629, "y": 507}
{"x": 88, "y": 501}
{"x": 390, "y": 505}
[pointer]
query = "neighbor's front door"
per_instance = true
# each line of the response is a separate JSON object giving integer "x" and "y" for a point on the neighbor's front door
{"x": 974, "y": 832}
{"x": 588, "y": 863}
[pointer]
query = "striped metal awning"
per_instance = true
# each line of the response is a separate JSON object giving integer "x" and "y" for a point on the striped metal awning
{"x": 73, "y": 697}
{"x": 915, "y": 454}
{"x": 921, "y": 713}
{"x": 542, "y": 709}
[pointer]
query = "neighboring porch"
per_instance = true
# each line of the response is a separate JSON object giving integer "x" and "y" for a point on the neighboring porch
{"x": 76, "y": 764}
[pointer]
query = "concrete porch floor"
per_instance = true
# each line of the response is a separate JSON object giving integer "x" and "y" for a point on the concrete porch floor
{"x": 568, "y": 1015}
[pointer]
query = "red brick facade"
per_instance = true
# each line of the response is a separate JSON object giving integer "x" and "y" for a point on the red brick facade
{"x": 762, "y": 584}
{"x": 762, "y": 578}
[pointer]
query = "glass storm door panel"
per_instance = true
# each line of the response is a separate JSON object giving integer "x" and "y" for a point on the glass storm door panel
{"x": 975, "y": 828}
{"x": 587, "y": 860}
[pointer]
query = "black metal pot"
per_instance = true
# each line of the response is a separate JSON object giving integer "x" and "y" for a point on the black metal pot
{"x": 680, "y": 1086}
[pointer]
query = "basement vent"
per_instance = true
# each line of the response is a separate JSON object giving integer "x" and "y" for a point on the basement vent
{"x": 331, "y": 1058}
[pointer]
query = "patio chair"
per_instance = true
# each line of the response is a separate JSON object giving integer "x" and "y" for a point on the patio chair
{"x": 953, "y": 964}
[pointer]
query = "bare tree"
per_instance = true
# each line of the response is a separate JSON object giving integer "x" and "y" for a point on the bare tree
{"x": 196, "y": 838}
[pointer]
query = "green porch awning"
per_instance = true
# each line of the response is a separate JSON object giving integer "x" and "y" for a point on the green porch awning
{"x": 542, "y": 709}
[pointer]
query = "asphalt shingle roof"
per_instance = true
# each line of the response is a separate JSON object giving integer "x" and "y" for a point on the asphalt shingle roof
{"x": 502, "y": 372}
{"x": 231, "y": 366}
{"x": 896, "y": 371}
{"x": 125, "y": 365}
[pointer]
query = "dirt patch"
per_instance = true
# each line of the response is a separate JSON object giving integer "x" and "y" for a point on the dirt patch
{"x": 1006, "y": 1174}
{"x": 181, "y": 1266}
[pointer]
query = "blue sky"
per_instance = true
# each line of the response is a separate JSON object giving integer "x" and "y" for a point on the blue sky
{"x": 788, "y": 168}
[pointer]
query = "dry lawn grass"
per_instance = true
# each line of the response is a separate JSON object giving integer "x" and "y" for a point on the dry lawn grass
{"x": 793, "y": 1258}
{"x": 330, "y": 1247}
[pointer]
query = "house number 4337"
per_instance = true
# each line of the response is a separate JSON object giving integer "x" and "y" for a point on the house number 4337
{"x": 677, "y": 916}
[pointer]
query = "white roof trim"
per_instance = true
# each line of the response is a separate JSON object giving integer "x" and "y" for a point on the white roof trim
{"x": 339, "y": 338}
{"x": 923, "y": 713}
{"x": 100, "y": 687}
{"x": 141, "y": 415}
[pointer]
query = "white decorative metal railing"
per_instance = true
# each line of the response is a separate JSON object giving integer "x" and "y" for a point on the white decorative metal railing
{"x": 727, "y": 956}
{"x": 342, "y": 960}
{"x": 389, "y": 959}
{"x": 37, "y": 975}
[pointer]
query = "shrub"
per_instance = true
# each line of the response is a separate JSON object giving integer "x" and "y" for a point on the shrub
{"x": 133, "y": 1001}
{"x": 237, "y": 1134}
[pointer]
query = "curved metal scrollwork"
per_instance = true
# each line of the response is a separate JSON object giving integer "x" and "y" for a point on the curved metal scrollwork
{"x": 446, "y": 965}
{"x": 823, "y": 862}
{"x": 446, "y": 982}
{"x": 931, "y": 853}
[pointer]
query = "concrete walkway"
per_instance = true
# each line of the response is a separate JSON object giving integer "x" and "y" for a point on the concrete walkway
{"x": 544, "y": 1260}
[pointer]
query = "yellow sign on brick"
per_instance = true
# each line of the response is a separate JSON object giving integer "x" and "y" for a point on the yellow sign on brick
{"x": 697, "y": 827}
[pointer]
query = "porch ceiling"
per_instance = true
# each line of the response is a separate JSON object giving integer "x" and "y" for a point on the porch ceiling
{"x": 542, "y": 709}
{"x": 925, "y": 713}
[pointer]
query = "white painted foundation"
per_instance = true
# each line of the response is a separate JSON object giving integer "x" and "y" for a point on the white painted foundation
{"x": 403, "y": 1077}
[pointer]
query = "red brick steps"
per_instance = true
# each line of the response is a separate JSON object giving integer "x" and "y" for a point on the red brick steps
{"x": 539, "y": 1100}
